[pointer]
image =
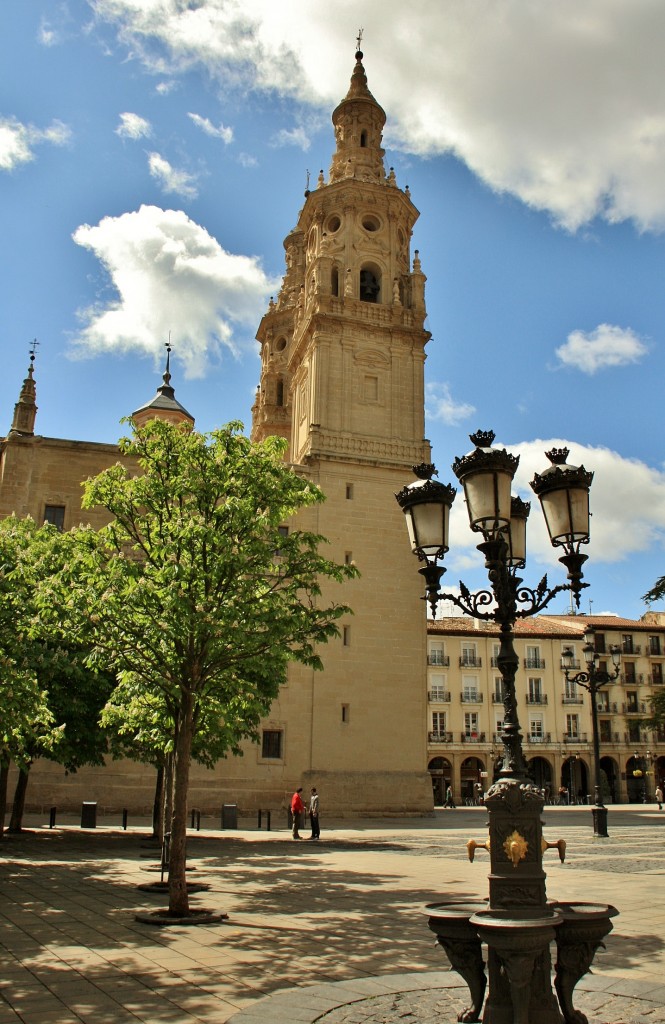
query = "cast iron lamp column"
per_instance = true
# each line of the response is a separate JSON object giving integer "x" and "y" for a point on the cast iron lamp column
{"x": 518, "y": 925}
{"x": 591, "y": 681}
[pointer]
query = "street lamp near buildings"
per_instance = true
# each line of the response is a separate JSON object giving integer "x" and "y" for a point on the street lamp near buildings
{"x": 591, "y": 681}
{"x": 518, "y": 924}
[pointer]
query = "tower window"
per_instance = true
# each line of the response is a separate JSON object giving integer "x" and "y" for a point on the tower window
{"x": 346, "y": 713}
{"x": 370, "y": 286}
{"x": 371, "y": 223}
{"x": 55, "y": 514}
{"x": 346, "y": 636}
{"x": 363, "y": 139}
{"x": 334, "y": 281}
{"x": 280, "y": 392}
{"x": 349, "y": 492}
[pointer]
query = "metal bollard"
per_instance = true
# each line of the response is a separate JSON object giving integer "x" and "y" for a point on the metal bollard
{"x": 196, "y": 820}
{"x": 125, "y": 813}
{"x": 51, "y": 820}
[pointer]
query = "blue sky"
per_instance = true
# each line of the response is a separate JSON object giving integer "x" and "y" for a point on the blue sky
{"x": 154, "y": 154}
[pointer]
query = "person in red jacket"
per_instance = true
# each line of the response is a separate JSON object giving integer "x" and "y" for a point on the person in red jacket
{"x": 297, "y": 810}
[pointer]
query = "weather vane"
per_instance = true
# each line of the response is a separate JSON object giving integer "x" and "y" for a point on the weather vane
{"x": 359, "y": 38}
{"x": 33, "y": 349}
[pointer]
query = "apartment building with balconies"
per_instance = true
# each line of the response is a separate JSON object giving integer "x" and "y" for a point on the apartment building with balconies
{"x": 465, "y": 706}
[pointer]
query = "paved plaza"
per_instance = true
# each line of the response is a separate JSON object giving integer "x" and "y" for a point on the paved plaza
{"x": 333, "y": 931}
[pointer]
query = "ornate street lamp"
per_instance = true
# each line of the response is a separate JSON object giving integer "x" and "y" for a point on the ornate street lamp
{"x": 591, "y": 681}
{"x": 518, "y": 924}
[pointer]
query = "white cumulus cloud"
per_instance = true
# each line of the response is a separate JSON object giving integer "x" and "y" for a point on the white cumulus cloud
{"x": 561, "y": 104}
{"x": 170, "y": 179}
{"x": 169, "y": 275}
{"x": 215, "y": 131}
{"x": 603, "y": 347}
{"x": 17, "y": 140}
{"x": 440, "y": 405}
{"x": 133, "y": 126}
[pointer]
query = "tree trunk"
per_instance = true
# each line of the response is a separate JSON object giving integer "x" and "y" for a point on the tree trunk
{"x": 157, "y": 807}
{"x": 178, "y": 897}
{"x": 18, "y": 807}
{"x": 4, "y": 779}
{"x": 166, "y": 808}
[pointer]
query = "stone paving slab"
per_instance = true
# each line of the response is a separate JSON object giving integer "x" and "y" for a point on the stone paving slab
{"x": 332, "y": 927}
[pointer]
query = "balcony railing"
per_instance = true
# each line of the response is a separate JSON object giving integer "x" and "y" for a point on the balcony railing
{"x": 471, "y": 698}
{"x": 435, "y": 658}
{"x": 575, "y": 663}
{"x": 631, "y": 679}
{"x": 545, "y": 738}
{"x": 611, "y": 708}
{"x": 655, "y": 652}
{"x": 572, "y": 700}
{"x": 472, "y": 737}
{"x": 440, "y": 737}
{"x": 656, "y": 678}
{"x": 631, "y": 738}
{"x": 439, "y": 696}
{"x": 577, "y": 737}
{"x": 497, "y": 698}
{"x": 627, "y": 647}
{"x": 634, "y": 709}
{"x": 534, "y": 663}
{"x": 470, "y": 661}
{"x": 536, "y": 698}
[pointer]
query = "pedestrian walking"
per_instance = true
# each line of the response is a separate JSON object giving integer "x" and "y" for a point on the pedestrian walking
{"x": 314, "y": 814}
{"x": 659, "y": 797}
{"x": 297, "y": 810}
{"x": 449, "y": 798}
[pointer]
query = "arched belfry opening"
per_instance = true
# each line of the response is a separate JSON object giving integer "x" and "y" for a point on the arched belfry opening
{"x": 370, "y": 285}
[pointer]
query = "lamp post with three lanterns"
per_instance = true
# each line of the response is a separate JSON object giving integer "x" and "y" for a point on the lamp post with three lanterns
{"x": 592, "y": 680}
{"x": 518, "y": 923}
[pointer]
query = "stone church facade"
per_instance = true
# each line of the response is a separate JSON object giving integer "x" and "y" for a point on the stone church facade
{"x": 342, "y": 379}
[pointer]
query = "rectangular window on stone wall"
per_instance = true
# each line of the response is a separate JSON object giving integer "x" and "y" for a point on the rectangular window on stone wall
{"x": 55, "y": 514}
{"x": 272, "y": 744}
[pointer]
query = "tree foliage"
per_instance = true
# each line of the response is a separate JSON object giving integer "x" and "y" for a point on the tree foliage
{"x": 196, "y": 595}
{"x": 50, "y": 701}
{"x": 657, "y": 592}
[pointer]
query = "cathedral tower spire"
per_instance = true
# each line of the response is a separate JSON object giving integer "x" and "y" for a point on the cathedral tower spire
{"x": 358, "y": 122}
{"x": 25, "y": 410}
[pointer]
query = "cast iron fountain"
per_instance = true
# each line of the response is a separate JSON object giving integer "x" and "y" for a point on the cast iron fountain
{"x": 518, "y": 924}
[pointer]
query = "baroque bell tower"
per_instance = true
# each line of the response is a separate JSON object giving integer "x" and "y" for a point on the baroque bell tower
{"x": 342, "y": 379}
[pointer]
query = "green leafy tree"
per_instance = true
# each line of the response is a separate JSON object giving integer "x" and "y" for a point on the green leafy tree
{"x": 656, "y": 719}
{"x": 25, "y": 716}
{"x": 194, "y": 594}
